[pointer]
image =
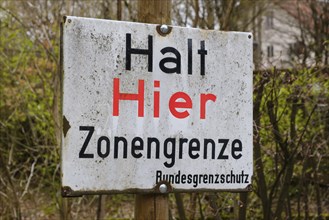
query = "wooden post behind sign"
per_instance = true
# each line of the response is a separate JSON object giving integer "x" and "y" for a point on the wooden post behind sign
{"x": 154, "y": 11}
{"x": 153, "y": 206}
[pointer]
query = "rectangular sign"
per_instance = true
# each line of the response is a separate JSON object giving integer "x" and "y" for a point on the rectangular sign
{"x": 146, "y": 104}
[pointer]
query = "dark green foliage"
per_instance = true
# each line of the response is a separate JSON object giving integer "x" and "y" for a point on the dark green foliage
{"x": 29, "y": 153}
{"x": 290, "y": 142}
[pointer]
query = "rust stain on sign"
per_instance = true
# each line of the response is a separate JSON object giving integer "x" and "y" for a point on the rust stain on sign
{"x": 66, "y": 126}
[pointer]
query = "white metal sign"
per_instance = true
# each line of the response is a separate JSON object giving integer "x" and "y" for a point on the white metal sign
{"x": 143, "y": 107}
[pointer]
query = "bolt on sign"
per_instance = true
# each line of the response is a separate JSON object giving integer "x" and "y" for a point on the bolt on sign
{"x": 146, "y": 105}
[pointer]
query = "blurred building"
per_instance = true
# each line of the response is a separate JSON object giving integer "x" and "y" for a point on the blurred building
{"x": 290, "y": 33}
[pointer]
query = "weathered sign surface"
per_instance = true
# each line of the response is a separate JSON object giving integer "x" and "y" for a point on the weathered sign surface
{"x": 141, "y": 107}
